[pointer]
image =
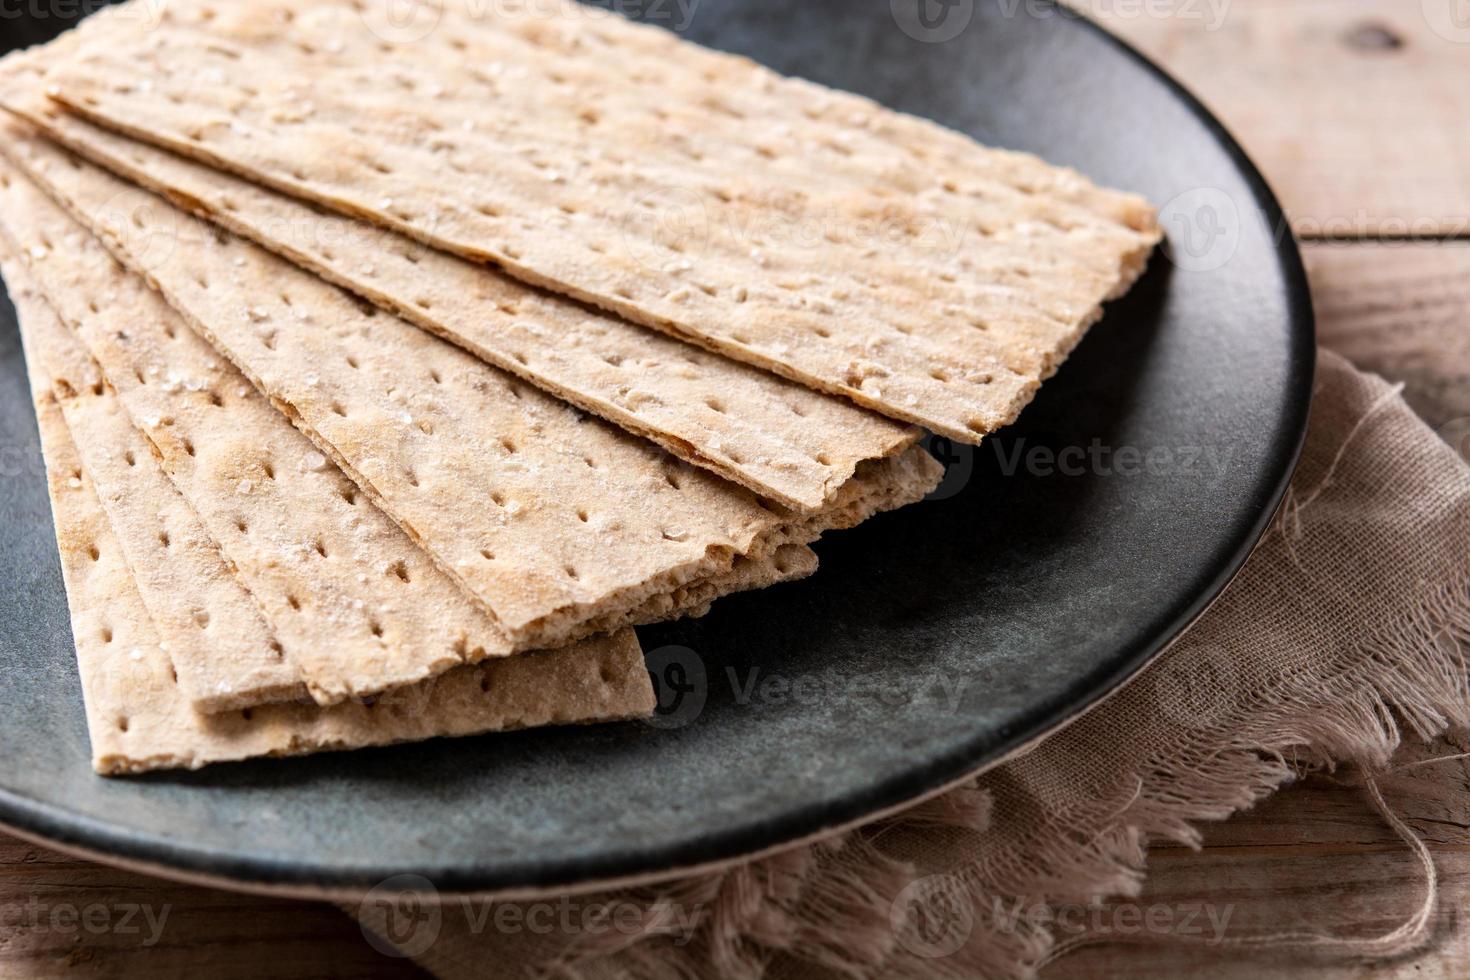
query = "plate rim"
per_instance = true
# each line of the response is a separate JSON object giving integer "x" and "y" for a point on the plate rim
{"x": 155, "y": 854}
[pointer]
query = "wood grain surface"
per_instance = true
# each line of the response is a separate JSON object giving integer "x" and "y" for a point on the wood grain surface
{"x": 1358, "y": 111}
{"x": 65, "y": 917}
{"x": 1355, "y": 110}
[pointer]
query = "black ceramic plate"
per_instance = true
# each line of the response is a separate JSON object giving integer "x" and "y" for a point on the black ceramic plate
{"x": 1063, "y": 554}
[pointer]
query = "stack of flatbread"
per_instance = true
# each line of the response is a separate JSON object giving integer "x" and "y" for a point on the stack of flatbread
{"x": 388, "y": 373}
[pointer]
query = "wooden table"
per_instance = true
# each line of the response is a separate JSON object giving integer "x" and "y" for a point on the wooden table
{"x": 1358, "y": 112}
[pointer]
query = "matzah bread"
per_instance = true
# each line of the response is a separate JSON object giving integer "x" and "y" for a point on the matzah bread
{"x": 358, "y": 607}
{"x": 857, "y": 250}
{"x": 139, "y": 720}
{"x": 224, "y": 650}
{"x": 795, "y": 446}
{"x": 322, "y": 561}
{"x": 555, "y": 522}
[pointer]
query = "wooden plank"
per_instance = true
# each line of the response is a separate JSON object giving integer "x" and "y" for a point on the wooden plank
{"x": 1354, "y": 109}
{"x": 1402, "y": 309}
{"x": 63, "y": 917}
{"x": 1315, "y": 857}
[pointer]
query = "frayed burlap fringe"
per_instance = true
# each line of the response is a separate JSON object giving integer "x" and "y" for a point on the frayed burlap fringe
{"x": 1347, "y": 627}
{"x": 1413, "y": 674}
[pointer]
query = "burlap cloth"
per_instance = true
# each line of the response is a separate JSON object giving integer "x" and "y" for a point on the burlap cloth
{"x": 1346, "y": 627}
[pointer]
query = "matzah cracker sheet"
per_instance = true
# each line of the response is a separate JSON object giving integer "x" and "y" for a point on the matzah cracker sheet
{"x": 138, "y": 720}
{"x": 794, "y": 446}
{"x": 556, "y": 522}
{"x": 807, "y": 231}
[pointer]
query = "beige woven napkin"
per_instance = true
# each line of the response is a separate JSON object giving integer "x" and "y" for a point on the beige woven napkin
{"x": 1347, "y": 625}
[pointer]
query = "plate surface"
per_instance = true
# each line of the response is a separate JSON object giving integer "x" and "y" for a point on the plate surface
{"x": 1062, "y": 555}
